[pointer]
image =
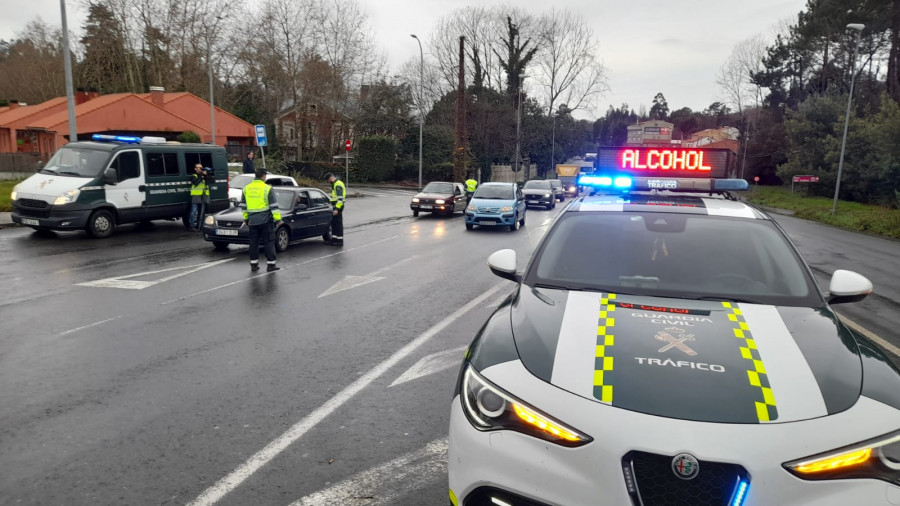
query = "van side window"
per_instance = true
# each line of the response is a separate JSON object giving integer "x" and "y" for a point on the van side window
{"x": 191, "y": 159}
{"x": 127, "y": 165}
{"x": 162, "y": 164}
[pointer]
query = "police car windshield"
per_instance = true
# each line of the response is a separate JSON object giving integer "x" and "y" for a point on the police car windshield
{"x": 537, "y": 185}
{"x": 77, "y": 162}
{"x": 239, "y": 182}
{"x": 495, "y": 192}
{"x": 687, "y": 256}
{"x": 442, "y": 188}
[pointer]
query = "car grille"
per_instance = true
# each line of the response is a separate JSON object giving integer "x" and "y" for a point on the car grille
{"x": 533, "y": 197}
{"x": 40, "y": 209}
{"x": 426, "y": 201}
{"x": 656, "y": 483}
{"x": 489, "y": 210}
{"x": 230, "y": 224}
{"x": 32, "y": 203}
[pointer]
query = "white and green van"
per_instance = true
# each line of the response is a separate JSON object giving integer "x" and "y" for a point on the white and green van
{"x": 113, "y": 180}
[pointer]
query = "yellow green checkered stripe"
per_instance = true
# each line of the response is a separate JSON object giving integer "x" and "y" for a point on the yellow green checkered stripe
{"x": 603, "y": 361}
{"x": 766, "y": 410}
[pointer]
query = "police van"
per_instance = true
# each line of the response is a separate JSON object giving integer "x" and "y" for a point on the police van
{"x": 113, "y": 180}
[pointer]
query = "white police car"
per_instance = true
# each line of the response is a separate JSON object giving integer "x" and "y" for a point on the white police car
{"x": 664, "y": 348}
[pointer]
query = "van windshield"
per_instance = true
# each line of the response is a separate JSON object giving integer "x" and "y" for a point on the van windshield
{"x": 77, "y": 162}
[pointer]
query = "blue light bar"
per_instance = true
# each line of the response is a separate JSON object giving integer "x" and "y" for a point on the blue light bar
{"x": 595, "y": 181}
{"x": 740, "y": 493}
{"x": 736, "y": 185}
{"x": 622, "y": 182}
{"x": 116, "y": 138}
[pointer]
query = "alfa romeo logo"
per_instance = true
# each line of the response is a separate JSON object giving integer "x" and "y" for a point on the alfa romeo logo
{"x": 685, "y": 466}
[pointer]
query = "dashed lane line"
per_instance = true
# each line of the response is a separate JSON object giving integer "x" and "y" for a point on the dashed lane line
{"x": 222, "y": 487}
{"x": 83, "y": 327}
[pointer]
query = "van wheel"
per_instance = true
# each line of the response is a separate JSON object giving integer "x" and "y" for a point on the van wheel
{"x": 282, "y": 239}
{"x": 100, "y": 224}
{"x": 220, "y": 246}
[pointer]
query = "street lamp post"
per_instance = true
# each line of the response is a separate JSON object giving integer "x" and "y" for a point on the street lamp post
{"x": 67, "y": 63}
{"x": 421, "y": 109}
{"x": 837, "y": 186}
{"x": 212, "y": 102}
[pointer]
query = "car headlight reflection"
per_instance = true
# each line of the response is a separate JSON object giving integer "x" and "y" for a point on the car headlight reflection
{"x": 471, "y": 208}
{"x": 507, "y": 208}
{"x": 878, "y": 458}
{"x": 67, "y": 198}
{"x": 14, "y": 194}
{"x": 488, "y": 407}
{"x": 415, "y": 200}
{"x": 546, "y": 194}
{"x": 439, "y": 201}
{"x": 209, "y": 220}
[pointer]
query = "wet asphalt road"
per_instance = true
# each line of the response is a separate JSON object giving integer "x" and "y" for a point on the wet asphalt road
{"x": 113, "y": 395}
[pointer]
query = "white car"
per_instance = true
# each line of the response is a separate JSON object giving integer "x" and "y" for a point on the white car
{"x": 237, "y": 183}
{"x": 671, "y": 349}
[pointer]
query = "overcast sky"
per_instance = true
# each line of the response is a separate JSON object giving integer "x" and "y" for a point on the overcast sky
{"x": 648, "y": 46}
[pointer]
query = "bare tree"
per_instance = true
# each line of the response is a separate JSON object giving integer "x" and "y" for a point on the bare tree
{"x": 570, "y": 71}
{"x": 735, "y": 81}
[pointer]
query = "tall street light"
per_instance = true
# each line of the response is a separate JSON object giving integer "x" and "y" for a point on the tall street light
{"x": 421, "y": 110}
{"x": 837, "y": 186}
{"x": 212, "y": 102}
{"x": 67, "y": 62}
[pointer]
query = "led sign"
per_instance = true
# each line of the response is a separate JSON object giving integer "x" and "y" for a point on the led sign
{"x": 664, "y": 161}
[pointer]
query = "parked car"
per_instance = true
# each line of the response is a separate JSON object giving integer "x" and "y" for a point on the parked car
{"x": 305, "y": 212}
{"x": 237, "y": 183}
{"x": 557, "y": 187}
{"x": 538, "y": 192}
{"x": 496, "y": 204}
{"x": 439, "y": 197}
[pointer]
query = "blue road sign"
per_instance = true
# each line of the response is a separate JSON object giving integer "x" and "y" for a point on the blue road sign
{"x": 261, "y": 135}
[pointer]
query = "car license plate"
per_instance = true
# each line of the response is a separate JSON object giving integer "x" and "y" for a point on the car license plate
{"x": 26, "y": 221}
{"x": 226, "y": 232}
{"x": 487, "y": 222}
{"x": 425, "y": 206}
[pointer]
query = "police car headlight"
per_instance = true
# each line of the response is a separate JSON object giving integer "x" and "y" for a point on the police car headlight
{"x": 209, "y": 220}
{"x": 471, "y": 208}
{"x": 415, "y": 200}
{"x": 878, "y": 458}
{"x": 488, "y": 407}
{"x": 67, "y": 198}
{"x": 439, "y": 201}
{"x": 507, "y": 208}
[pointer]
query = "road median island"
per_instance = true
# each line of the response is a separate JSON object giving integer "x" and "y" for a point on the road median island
{"x": 877, "y": 220}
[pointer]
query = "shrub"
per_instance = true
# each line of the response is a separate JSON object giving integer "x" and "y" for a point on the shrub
{"x": 188, "y": 136}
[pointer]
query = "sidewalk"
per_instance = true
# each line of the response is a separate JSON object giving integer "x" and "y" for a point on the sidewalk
{"x": 6, "y": 220}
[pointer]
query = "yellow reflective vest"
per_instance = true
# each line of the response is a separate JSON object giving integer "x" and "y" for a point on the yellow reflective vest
{"x": 338, "y": 193}
{"x": 259, "y": 203}
{"x": 471, "y": 185}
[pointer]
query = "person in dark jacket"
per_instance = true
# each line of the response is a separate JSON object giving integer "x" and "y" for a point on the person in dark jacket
{"x": 249, "y": 168}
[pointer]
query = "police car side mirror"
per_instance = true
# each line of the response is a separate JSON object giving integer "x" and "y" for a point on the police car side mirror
{"x": 503, "y": 264}
{"x": 848, "y": 286}
{"x": 110, "y": 176}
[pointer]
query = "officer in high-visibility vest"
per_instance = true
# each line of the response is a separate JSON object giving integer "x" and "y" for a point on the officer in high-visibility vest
{"x": 338, "y": 194}
{"x": 200, "y": 181}
{"x": 262, "y": 215}
{"x": 471, "y": 186}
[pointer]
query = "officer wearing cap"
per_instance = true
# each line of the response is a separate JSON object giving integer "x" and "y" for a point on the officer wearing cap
{"x": 338, "y": 194}
{"x": 260, "y": 210}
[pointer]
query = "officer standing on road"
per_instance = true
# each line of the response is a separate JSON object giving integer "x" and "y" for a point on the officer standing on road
{"x": 471, "y": 185}
{"x": 249, "y": 168}
{"x": 261, "y": 214}
{"x": 200, "y": 181}
{"x": 338, "y": 194}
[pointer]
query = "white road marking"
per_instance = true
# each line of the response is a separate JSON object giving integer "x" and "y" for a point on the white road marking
{"x": 355, "y": 281}
{"x": 129, "y": 283}
{"x": 72, "y": 331}
{"x": 431, "y": 364}
{"x": 226, "y": 285}
{"x": 387, "y": 483}
{"x": 871, "y": 335}
{"x": 222, "y": 487}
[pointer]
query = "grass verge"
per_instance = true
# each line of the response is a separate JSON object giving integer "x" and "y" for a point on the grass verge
{"x": 850, "y": 215}
{"x": 6, "y": 187}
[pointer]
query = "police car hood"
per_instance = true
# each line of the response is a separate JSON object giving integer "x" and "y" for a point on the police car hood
{"x": 47, "y": 187}
{"x": 708, "y": 361}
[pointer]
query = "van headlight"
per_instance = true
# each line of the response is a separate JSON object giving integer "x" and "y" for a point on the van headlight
{"x": 488, "y": 407}
{"x": 14, "y": 194}
{"x": 67, "y": 198}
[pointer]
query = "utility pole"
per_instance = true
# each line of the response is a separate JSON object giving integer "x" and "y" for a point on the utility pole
{"x": 837, "y": 187}
{"x": 421, "y": 105}
{"x": 518, "y": 164}
{"x": 67, "y": 61}
{"x": 459, "y": 154}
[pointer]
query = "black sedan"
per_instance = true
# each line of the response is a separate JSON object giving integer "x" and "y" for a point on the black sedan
{"x": 305, "y": 212}
{"x": 539, "y": 193}
{"x": 439, "y": 197}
